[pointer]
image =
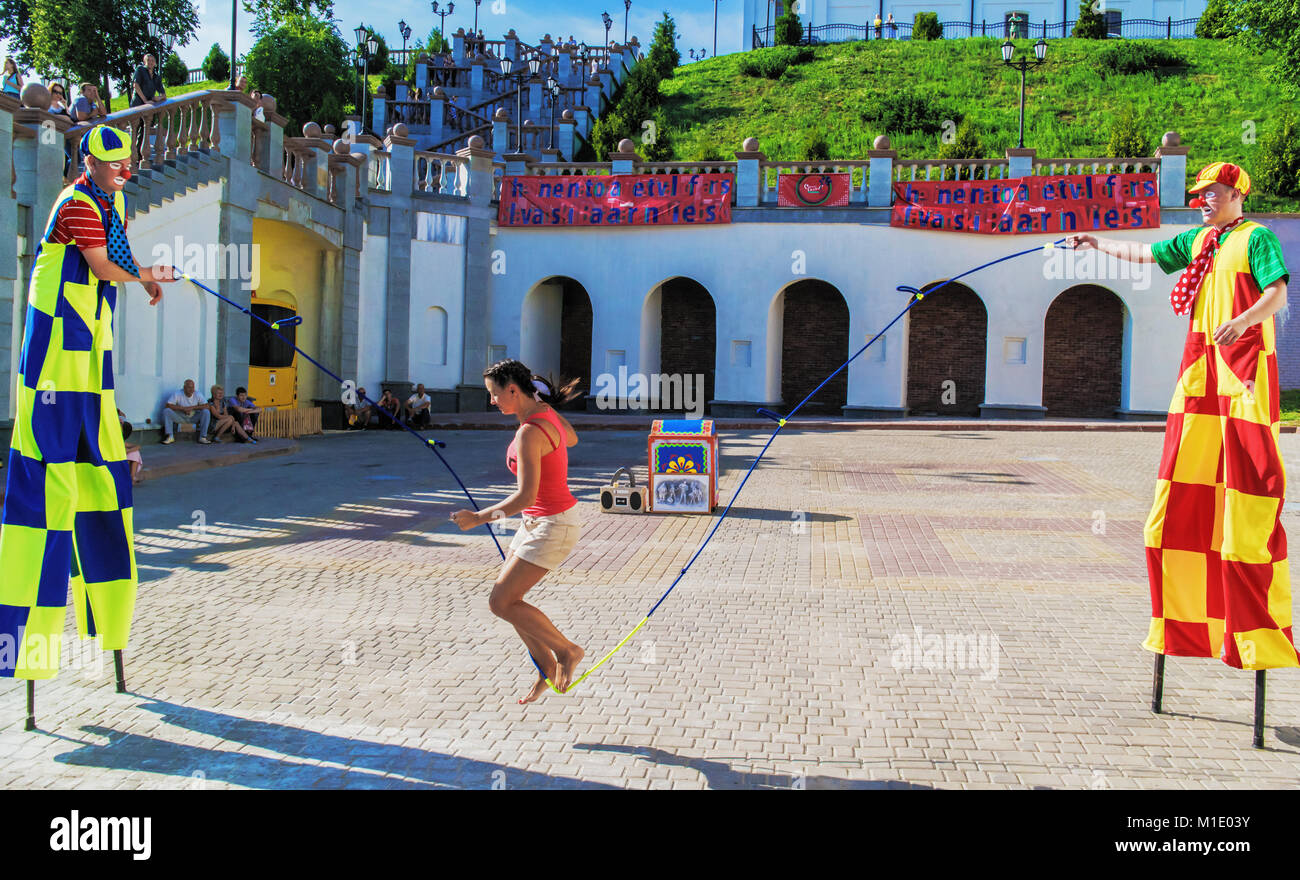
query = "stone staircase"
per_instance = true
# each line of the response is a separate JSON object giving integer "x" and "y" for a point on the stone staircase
{"x": 149, "y": 188}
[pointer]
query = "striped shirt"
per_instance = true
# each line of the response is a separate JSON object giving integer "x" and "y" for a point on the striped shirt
{"x": 77, "y": 223}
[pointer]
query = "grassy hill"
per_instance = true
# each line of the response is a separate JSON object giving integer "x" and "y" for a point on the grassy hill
{"x": 844, "y": 93}
{"x": 121, "y": 102}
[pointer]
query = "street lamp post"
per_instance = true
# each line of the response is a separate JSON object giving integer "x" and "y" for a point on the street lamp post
{"x": 367, "y": 45}
{"x": 442, "y": 15}
{"x": 627, "y": 10}
{"x": 715, "y": 27}
{"x": 476, "y": 5}
{"x": 552, "y": 88}
{"x": 405, "y": 30}
{"x": 604, "y": 16}
{"x": 234, "y": 8}
{"x": 1023, "y": 64}
{"x": 534, "y": 65}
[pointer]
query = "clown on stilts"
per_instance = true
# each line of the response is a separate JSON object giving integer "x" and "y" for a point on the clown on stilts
{"x": 67, "y": 514}
{"x": 1215, "y": 548}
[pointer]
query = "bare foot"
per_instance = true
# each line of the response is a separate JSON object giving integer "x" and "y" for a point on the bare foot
{"x": 567, "y": 664}
{"x": 539, "y": 688}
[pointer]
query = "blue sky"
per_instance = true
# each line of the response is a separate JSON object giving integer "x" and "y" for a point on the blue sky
{"x": 531, "y": 18}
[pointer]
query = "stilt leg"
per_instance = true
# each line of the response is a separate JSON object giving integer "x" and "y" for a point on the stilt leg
{"x": 1259, "y": 708}
{"x": 31, "y": 705}
{"x": 1158, "y": 685}
{"x": 121, "y": 676}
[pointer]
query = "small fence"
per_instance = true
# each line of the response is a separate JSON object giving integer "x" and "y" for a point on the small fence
{"x": 197, "y": 75}
{"x": 287, "y": 423}
{"x": 1132, "y": 29}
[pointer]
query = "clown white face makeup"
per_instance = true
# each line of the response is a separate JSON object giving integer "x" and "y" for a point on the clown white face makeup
{"x": 109, "y": 176}
{"x": 1220, "y": 204}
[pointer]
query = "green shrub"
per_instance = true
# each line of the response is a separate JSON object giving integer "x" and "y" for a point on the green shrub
{"x": 771, "y": 63}
{"x": 908, "y": 111}
{"x": 1216, "y": 21}
{"x": 1127, "y": 140}
{"x": 707, "y": 151}
{"x": 926, "y": 26}
{"x": 174, "y": 71}
{"x": 217, "y": 65}
{"x": 1091, "y": 25}
{"x": 813, "y": 146}
{"x": 1129, "y": 57}
{"x": 789, "y": 30}
{"x": 1277, "y": 170}
{"x": 663, "y": 57}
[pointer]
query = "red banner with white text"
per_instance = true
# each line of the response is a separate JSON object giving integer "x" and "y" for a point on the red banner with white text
{"x": 616, "y": 200}
{"x": 1061, "y": 203}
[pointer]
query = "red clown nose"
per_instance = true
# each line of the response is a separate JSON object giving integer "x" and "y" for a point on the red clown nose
{"x": 1197, "y": 202}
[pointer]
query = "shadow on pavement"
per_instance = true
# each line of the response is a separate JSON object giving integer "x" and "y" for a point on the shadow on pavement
{"x": 720, "y": 775}
{"x": 366, "y": 764}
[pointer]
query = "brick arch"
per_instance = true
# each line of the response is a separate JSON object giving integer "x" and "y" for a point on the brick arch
{"x": 688, "y": 330}
{"x": 814, "y": 342}
{"x": 947, "y": 340}
{"x": 1083, "y": 353}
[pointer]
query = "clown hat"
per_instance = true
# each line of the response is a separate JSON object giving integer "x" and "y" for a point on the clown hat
{"x": 106, "y": 143}
{"x": 1224, "y": 173}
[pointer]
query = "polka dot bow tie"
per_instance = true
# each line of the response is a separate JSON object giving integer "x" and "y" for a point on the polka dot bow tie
{"x": 1184, "y": 292}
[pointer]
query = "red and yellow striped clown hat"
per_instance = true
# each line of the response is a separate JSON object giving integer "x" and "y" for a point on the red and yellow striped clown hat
{"x": 1225, "y": 173}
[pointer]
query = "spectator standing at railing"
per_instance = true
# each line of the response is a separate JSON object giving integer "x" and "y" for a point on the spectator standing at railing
{"x": 88, "y": 107}
{"x": 147, "y": 85}
{"x": 893, "y": 27}
{"x": 59, "y": 100}
{"x": 876, "y": 24}
{"x": 13, "y": 80}
{"x": 258, "y": 112}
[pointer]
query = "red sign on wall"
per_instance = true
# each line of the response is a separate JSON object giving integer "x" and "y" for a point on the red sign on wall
{"x": 1058, "y": 203}
{"x": 812, "y": 190}
{"x": 616, "y": 200}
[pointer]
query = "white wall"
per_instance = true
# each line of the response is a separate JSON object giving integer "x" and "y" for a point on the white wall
{"x": 745, "y": 266}
{"x": 437, "y": 279}
{"x": 372, "y": 315}
{"x": 156, "y": 348}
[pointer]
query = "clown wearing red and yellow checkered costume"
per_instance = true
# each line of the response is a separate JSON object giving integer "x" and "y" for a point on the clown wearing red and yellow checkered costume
{"x": 1215, "y": 548}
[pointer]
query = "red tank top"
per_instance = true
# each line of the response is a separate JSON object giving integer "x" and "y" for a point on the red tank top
{"x": 553, "y": 495}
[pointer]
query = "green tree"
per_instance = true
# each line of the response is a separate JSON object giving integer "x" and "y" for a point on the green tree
{"x": 16, "y": 30}
{"x": 789, "y": 30}
{"x": 57, "y": 35}
{"x": 663, "y": 56}
{"x": 1091, "y": 25}
{"x": 216, "y": 66}
{"x": 304, "y": 64}
{"x": 1277, "y": 170}
{"x": 1215, "y": 22}
{"x": 926, "y": 26}
{"x": 268, "y": 14}
{"x": 174, "y": 71}
{"x": 1271, "y": 26}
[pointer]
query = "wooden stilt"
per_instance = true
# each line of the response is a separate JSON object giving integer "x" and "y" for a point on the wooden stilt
{"x": 1158, "y": 685}
{"x": 1259, "y": 709}
{"x": 121, "y": 676}
{"x": 31, "y": 705}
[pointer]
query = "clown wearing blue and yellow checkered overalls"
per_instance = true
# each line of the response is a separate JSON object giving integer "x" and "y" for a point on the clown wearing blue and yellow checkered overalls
{"x": 67, "y": 507}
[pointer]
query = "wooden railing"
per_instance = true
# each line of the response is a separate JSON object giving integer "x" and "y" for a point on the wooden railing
{"x": 410, "y": 112}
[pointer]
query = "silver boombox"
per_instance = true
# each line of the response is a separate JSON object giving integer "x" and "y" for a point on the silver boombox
{"x": 623, "y": 499}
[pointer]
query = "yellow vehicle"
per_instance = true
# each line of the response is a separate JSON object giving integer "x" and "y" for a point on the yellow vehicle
{"x": 272, "y": 364}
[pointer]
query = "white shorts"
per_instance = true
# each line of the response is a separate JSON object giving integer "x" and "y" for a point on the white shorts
{"x": 545, "y": 541}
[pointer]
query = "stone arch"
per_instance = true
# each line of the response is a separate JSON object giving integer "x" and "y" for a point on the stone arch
{"x": 679, "y": 334}
{"x": 555, "y": 331}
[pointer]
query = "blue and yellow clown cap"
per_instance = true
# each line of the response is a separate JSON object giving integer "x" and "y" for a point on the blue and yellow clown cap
{"x": 106, "y": 143}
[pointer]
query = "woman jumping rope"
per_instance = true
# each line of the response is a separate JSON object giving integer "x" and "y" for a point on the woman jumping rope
{"x": 539, "y": 457}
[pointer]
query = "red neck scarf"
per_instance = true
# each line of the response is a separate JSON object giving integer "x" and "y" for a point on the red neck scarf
{"x": 1184, "y": 292}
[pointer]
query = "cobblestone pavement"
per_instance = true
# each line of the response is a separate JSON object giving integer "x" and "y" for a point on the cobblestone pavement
{"x": 314, "y": 621}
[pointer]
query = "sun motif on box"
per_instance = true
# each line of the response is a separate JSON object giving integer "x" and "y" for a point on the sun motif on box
{"x": 681, "y": 465}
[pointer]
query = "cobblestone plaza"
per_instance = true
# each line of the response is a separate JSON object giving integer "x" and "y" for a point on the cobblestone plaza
{"x": 947, "y": 608}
